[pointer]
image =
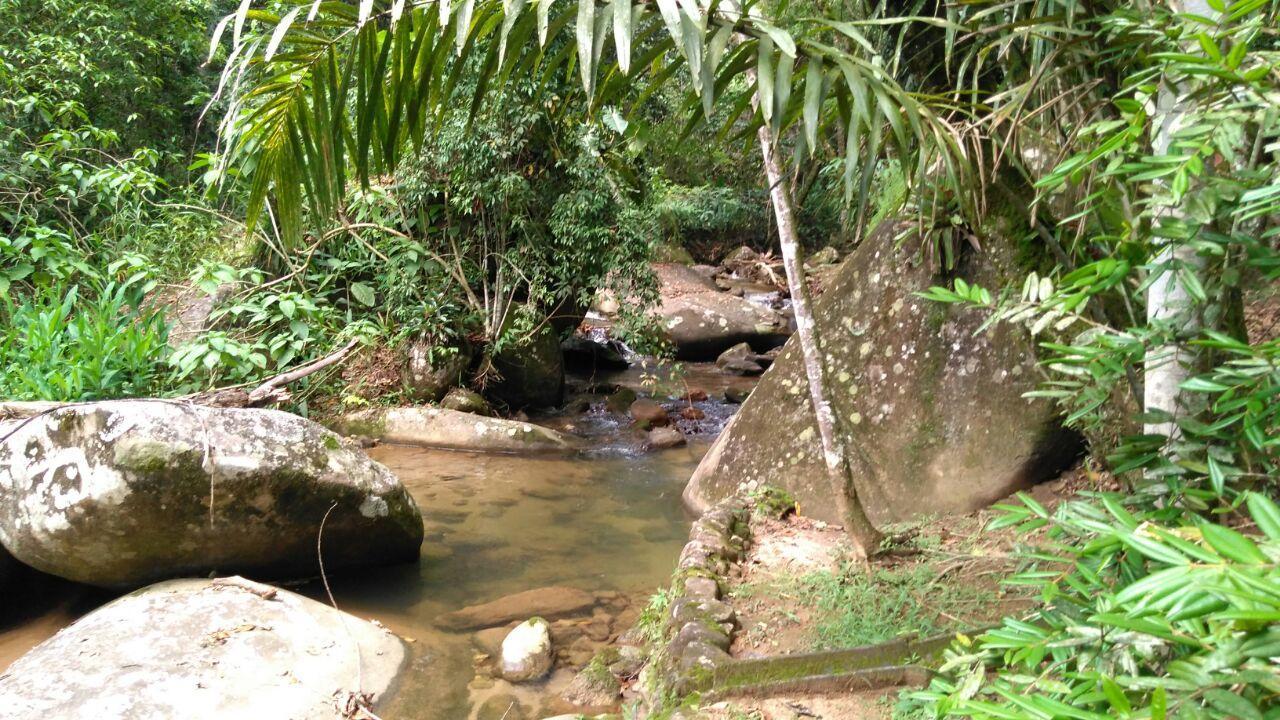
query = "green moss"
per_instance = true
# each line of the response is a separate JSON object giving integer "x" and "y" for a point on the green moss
{"x": 369, "y": 423}
{"x": 331, "y": 442}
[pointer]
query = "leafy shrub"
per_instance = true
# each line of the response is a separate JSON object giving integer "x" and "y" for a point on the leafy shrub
{"x": 60, "y": 345}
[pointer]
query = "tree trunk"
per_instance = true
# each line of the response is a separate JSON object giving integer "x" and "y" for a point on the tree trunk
{"x": 1168, "y": 365}
{"x": 852, "y": 514}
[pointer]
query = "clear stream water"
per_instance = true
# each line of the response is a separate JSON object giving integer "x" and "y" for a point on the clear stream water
{"x": 606, "y": 520}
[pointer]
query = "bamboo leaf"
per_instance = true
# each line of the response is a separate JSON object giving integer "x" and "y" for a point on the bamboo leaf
{"x": 622, "y": 33}
{"x": 585, "y": 30}
{"x": 1265, "y": 513}
{"x": 278, "y": 34}
{"x": 764, "y": 78}
{"x": 1231, "y": 544}
{"x": 813, "y": 92}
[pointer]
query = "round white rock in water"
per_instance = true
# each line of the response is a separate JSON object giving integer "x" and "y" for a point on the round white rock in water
{"x": 526, "y": 652}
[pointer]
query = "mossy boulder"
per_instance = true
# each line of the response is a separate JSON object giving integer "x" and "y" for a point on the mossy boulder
{"x": 428, "y": 371}
{"x": 204, "y": 649}
{"x": 532, "y": 372}
{"x": 936, "y": 409}
{"x": 467, "y": 401}
{"x": 122, "y": 493}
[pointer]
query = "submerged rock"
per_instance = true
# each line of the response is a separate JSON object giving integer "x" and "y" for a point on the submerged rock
{"x": 937, "y": 410}
{"x": 526, "y": 651}
{"x": 665, "y": 437}
{"x": 438, "y": 427}
{"x": 204, "y": 649}
{"x": 548, "y": 602}
{"x": 122, "y": 493}
{"x": 428, "y": 372}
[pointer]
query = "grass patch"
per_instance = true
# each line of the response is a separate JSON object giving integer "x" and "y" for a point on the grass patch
{"x": 856, "y": 606}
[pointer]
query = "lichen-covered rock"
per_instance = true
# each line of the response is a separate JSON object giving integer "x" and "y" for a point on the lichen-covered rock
{"x": 122, "y": 493}
{"x": 532, "y": 372}
{"x": 936, "y": 410}
{"x": 526, "y": 652}
{"x": 203, "y": 650}
{"x": 428, "y": 372}
{"x": 438, "y": 427}
{"x": 662, "y": 438}
{"x": 702, "y": 322}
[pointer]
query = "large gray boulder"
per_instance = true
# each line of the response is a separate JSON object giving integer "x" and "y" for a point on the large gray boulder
{"x": 701, "y": 321}
{"x": 122, "y": 493}
{"x": 197, "y": 649}
{"x": 936, "y": 411}
{"x": 427, "y": 371}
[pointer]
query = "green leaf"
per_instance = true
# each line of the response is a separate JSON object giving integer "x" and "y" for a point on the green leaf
{"x": 813, "y": 95}
{"x": 585, "y": 29}
{"x": 363, "y": 293}
{"x": 1231, "y": 544}
{"x": 764, "y": 78}
{"x": 278, "y": 34}
{"x": 622, "y": 33}
{"x": 1265, "y": 513}
{"x": 1232, "y": 704}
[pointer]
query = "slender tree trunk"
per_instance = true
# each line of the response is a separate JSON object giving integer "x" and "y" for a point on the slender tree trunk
{"x": 1168, "y": 365}
{"x": 852, "y": 514}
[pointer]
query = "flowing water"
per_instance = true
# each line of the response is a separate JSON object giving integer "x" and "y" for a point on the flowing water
{"x": 606, "y": 520}
{"x": 500, "y": 524}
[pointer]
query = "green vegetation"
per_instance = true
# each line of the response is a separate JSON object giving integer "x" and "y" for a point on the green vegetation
{"x": 855, "y": 606}
{"x": 463, "y": 175}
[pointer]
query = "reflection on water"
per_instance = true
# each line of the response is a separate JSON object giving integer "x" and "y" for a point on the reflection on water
{"x": 499, "y": 524}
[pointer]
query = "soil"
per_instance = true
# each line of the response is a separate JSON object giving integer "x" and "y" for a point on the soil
{"x": 957, "y": 549}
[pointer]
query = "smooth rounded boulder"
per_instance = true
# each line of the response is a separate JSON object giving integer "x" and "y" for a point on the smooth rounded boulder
{"x": 526, "y": 651}
{"x": 205, "y": 649}
{"x": 701, "y": 322}
{"x": 122, "y": 493}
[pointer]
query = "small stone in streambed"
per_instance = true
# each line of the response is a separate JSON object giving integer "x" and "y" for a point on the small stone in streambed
{"x": 695, "y": 395}
{"x": 620, "y": 400}
{"x": 526, "y": 651}
{"x": 648, "y": 413}
{"x": 665, "y": 437}
{"x": 692, "y": 413}
{"x": 736, "y": 395}
{"x": 502, "y": 707}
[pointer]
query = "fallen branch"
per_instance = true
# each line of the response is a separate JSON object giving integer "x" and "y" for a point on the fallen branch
{"x": 273, "y": 390}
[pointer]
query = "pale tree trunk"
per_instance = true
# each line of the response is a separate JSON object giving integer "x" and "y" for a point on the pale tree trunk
{"x": 1168, "y": 365}
{"x": 849, "y": 507}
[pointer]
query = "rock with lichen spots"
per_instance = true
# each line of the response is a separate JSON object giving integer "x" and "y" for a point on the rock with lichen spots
{"x": 934, "y": 408}
{"x": 204, "y": 649}
{"x": 121, "y": 493}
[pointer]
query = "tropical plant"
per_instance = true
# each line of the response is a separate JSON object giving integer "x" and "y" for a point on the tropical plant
{"x": 1160, "y": 601}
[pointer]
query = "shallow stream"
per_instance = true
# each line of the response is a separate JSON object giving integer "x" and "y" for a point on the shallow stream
{"x": 607, "y": 520}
